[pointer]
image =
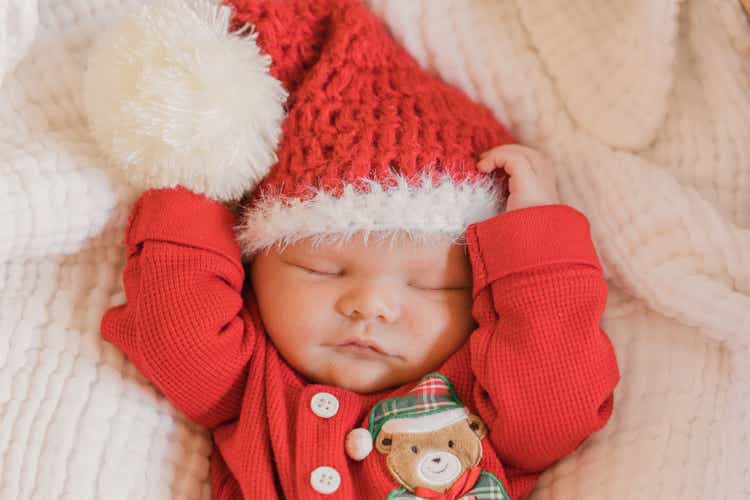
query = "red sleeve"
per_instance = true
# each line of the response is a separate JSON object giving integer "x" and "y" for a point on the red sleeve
{"x": 184, "y": 325}
{"x": 548, "y": 369}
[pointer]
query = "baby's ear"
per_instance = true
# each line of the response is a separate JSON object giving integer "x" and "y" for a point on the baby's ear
{"x": 476, "y": 425}
{"x": 384, "y": 442}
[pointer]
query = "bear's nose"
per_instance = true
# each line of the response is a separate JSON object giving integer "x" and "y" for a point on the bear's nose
{"x": 436, "y": 460}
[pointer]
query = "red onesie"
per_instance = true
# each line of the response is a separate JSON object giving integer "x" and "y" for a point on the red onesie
{"x": 538, "y": 371}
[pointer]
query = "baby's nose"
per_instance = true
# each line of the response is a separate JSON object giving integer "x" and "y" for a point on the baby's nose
{"x": 368, "y": 303}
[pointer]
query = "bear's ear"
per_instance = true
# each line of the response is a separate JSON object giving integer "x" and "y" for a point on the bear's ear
{"x": 384, "y": 442}
{"x": 476, "y": 425}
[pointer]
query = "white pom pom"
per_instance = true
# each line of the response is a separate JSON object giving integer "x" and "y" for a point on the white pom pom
{"x": 358, "y": 444}
{"x": 174, "y": 98}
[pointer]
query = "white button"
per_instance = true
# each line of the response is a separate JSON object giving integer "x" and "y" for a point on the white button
{"x": 324, "y": 404}
{"x": 325, "y": 480}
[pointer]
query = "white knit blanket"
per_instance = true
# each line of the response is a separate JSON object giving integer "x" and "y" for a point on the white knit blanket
{"x": 645, "y": 104}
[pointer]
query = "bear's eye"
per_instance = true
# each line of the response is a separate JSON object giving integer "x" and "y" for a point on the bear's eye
{"x": 414, "y": 449}
{"x": 474, "y": 426}
{"x": 450, "y": 444}
{"x": 386, "y": 442}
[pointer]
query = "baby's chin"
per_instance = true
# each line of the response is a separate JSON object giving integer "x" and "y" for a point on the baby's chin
{"x": 360, "y": 376}
{"x": 364, "y": 385}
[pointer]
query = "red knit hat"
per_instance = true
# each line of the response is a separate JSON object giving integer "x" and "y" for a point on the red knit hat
{"x": 370, "y": 142}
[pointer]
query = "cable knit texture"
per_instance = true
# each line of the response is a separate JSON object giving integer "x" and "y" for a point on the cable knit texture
{"x": 18, "y": 22}
{"x": 538, "y": 370}
{"x": 363, "y": 117}
{"x": 360, "y": 107}
{"x": 669, "y": 212}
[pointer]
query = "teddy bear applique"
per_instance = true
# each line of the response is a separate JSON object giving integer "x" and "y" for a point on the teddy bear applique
{"x": 432, "y": 444}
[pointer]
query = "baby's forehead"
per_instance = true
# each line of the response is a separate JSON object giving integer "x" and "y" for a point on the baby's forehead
{"x": 369, "y": 249}
{"x": 364, "y": 243}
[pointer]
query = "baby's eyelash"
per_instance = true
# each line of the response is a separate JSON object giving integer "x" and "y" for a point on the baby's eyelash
{"x": 436, "y": 289}
{"x": 318, "y": 272}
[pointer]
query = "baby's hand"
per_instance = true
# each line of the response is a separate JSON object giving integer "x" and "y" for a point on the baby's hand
{"x": 532, "y": 178}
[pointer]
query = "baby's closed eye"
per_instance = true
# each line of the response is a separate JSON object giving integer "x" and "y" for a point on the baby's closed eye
{"x": 437, "y": 284}
{"x": 316, "y": 268}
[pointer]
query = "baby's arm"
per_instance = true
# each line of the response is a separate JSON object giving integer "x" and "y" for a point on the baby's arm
{"x": 184, "y": 325}
{"x": 548, "y": 370}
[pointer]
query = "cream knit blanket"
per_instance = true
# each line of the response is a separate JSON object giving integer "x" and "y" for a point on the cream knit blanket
{"x": 645, "y": 104}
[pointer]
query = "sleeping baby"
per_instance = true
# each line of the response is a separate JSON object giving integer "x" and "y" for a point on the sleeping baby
{"x": 398, "y": 307}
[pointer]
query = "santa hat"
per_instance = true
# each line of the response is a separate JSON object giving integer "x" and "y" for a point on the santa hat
{"x": 310, "y": 108}
{"x": 432, "y": 404}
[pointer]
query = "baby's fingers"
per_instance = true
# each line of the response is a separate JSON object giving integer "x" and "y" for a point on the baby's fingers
{"x": 513, "y": 160}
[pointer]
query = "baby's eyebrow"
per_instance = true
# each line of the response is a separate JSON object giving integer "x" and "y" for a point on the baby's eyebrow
{"x": 315, "y": 251}
{"x": 446, "y": 273}
{"x": 312, "y": 258}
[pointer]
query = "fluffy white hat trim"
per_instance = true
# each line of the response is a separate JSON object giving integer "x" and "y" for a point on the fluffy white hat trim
{"x": 430, "y": 207}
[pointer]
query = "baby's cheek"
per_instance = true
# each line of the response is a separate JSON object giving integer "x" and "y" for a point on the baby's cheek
{"x": 443, "y": 324}
{"x": 297, "y": 320}
{"x": 307, "y": 306}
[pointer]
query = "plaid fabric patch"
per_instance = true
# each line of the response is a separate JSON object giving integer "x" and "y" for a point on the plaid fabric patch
{"x": 402, "y": 494}
{"x": 487, "y": 487}
{"x": 433, "y": 394}
{"x": 434, "y": 385}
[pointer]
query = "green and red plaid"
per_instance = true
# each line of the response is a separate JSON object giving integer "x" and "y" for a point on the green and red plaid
{"x": 433, "y": 394}
{"x": 487, "y": 487}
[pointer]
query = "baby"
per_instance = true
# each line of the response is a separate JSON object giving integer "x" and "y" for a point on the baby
{"x": 405, "y": 324}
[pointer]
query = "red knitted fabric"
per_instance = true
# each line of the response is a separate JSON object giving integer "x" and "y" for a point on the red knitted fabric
{"x": 360, "y": 106}
{"x": 538, "y": 370}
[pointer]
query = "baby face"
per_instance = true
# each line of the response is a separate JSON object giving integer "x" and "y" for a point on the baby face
{"x": 365, "y": 316}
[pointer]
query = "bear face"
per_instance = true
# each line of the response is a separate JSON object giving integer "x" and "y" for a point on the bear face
{"x": 435, "y": 459}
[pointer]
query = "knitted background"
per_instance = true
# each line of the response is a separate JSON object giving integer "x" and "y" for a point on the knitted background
{"x": 644, "y": 104}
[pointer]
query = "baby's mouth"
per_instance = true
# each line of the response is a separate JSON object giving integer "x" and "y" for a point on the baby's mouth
{"x": 364, "y": 347}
